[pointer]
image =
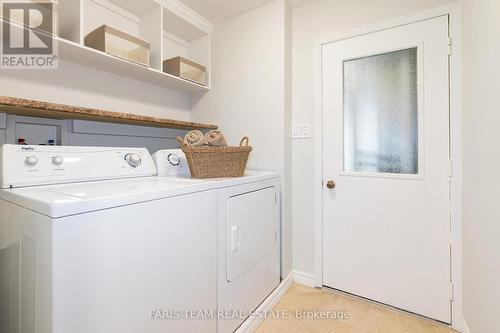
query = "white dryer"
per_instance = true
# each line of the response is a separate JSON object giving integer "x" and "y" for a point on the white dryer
{"x": 96, "y": 255}
{"x": 248, "y": 245}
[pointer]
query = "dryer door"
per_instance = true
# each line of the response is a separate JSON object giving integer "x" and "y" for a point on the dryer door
{"x": 252, "y": 230}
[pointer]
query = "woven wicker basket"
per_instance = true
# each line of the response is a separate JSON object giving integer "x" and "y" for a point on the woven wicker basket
{"x": 217, "y": 162}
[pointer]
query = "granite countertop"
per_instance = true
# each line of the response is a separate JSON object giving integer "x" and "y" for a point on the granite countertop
{"x": 34, "y": 108}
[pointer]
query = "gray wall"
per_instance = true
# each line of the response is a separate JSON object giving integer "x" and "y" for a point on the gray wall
{"x": 85, "y": 133}
{"x": 3, "y": 125}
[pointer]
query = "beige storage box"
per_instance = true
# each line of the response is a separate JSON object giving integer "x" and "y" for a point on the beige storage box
{"x": 119, "y": 44}
{"x": 186, "y": 69}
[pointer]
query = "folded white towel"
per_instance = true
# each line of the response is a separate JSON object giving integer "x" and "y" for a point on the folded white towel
{"x": 194, "y": 138}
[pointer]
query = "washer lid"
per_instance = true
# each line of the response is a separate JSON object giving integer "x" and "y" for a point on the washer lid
{"x": 69, "y": 199}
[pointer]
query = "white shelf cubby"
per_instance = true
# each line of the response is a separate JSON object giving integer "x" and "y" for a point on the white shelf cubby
{"x": 170, "y": 27}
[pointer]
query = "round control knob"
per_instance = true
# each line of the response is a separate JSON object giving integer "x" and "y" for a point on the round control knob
{"x": 57, "y": 160}
{"x": 173, "y": 159}
{"x": 134, "y": 160}
{"x": 31, "y": 160}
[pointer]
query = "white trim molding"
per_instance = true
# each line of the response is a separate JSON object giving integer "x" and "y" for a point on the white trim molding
{"x": 175, "y": 39}
{"x": 465, "y": 327}
{"x": 454, "y": 13}
{"x": 305, "y": 279}
{"x": 14, "y": 120}
{"x": 118, "y": 10}
{"x": 187, "y": 14}
{"x": 251, "y": 324}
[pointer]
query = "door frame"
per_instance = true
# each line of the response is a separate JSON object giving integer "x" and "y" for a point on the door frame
{"x": 453, "y": 10}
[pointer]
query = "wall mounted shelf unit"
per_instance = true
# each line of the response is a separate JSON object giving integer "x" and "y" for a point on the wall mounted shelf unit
{"x": 170, "y": 27}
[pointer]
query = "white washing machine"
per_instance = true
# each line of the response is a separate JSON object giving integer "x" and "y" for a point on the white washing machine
{"x": 248, "y": 245}
{"x": 81, "y": 253}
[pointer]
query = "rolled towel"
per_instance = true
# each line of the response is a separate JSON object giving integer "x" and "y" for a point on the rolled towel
{"x": 194, "y": 138}
{"x": 215, "y": 138}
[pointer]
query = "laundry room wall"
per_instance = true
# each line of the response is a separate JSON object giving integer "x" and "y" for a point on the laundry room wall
{"x": 309, "y": 22}
{"x": 74, "y": 84}
{"x": 481, "y": 159}
{"x": 249, "y": 93}
{"x": 78, "y": 85}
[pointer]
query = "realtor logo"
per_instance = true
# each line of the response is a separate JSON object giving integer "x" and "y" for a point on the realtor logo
{"x": 27, "y": 36}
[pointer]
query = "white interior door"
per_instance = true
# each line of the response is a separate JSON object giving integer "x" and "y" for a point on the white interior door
{"x": 386, "y": 221}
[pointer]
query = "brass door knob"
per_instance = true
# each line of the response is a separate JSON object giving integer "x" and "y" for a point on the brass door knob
{"x": 331, "y": 184}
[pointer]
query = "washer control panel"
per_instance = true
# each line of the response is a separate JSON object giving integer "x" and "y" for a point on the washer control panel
{"x": 171, "y": 163}
{"x": 133, "y": 159}
{"x": 23, "y": 165}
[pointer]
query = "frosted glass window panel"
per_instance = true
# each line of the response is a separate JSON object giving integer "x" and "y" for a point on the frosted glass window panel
{"x": 381, "y": 113}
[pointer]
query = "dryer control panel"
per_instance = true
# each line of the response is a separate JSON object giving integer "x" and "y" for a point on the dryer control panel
{"x": 22, "y": 165}
{"x": 171, "y": 163}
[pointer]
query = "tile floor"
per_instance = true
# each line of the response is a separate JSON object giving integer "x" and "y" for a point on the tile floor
{"x": 364, "y": 317}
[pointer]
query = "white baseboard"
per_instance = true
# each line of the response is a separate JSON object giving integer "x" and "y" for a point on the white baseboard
{"x": 251, "y": 324}
{"x": 465, "y": 327}
{"x": 304, "y": 278}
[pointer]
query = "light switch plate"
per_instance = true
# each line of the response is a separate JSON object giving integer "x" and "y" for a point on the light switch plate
{"x": 301, "y": 131}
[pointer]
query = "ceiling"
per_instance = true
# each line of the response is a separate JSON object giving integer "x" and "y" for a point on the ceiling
{"x": 220, "y": 10}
